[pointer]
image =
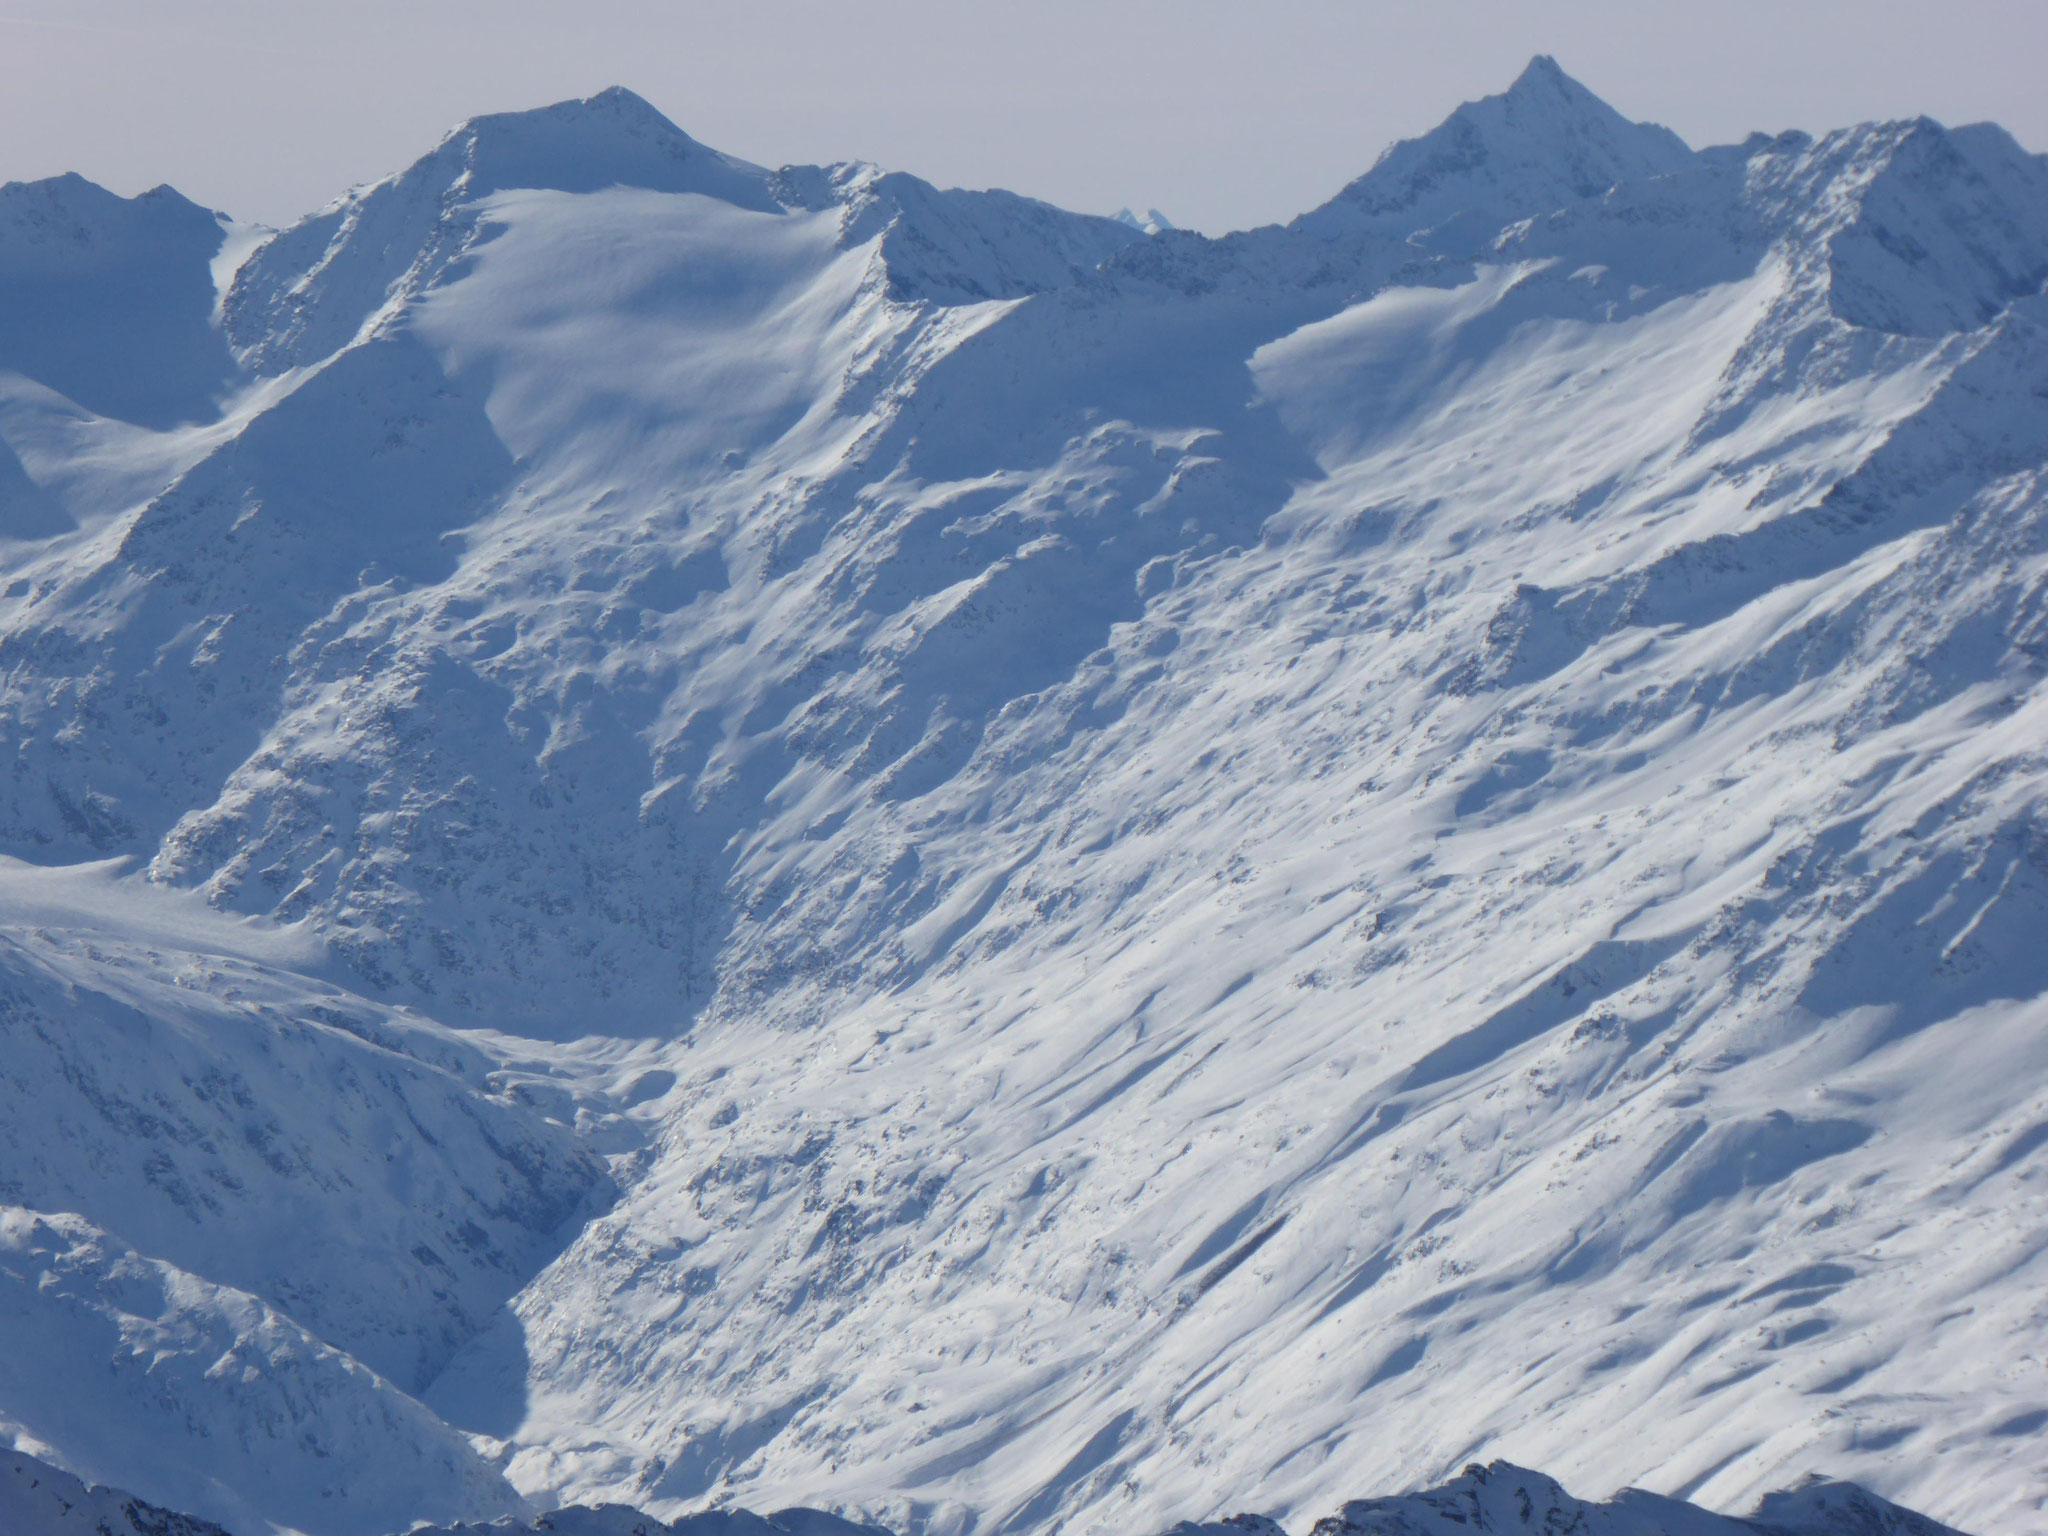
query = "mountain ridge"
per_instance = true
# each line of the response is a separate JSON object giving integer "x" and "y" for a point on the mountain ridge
{"x": 41, "y": 1500}
{"x": 891, "y": 849}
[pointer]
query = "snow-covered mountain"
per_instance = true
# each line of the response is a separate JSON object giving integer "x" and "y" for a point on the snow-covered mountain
{"x": 679, "y": 835}
{"x": 37, "y": 1499}
{"x": 1543, "y": 145}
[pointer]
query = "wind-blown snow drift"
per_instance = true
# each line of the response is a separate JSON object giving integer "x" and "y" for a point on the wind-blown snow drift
{"x": 893, "y": 850}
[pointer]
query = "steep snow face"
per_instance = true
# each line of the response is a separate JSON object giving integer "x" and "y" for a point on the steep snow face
{"x": 1177, "y": 875}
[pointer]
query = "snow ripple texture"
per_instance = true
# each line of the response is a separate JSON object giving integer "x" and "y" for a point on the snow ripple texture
{"x": 680, "y": 835}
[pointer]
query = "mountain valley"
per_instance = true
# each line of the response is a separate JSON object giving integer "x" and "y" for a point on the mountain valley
{"x": 710, "y": 839}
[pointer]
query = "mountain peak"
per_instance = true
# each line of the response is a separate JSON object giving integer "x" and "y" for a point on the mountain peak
{"x": 1545, "y": 142}
{"x": 1928, "y": 229}
{"x": 1154, "y": 222}
{"x": 111, "y": 298}
{"x": 614, "y": 138}
{"x": 310, "y": 289}
{"x": 615, "y": 108}
{"x": 1544, "y": 73}
{"x": 678, "y": 807}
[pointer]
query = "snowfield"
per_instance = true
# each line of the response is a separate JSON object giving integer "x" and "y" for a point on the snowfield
{"x": 695, "y": 837}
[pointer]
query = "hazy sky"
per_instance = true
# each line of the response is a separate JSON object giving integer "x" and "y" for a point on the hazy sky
{"x": 1222, "y": 113}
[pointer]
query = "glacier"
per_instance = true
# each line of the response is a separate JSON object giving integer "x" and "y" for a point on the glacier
{"x": 696, "y": 837}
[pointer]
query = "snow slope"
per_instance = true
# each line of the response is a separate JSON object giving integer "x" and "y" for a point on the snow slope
{"x": 798, "y": 840}
{"x": 37, "y": 1499}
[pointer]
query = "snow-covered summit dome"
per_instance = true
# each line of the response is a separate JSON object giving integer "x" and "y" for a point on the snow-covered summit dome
{"x": 612, "y": 139}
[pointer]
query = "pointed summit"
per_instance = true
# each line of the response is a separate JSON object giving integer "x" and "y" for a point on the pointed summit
{"x": 1544, "y": 74}
{"x": 1542, "y": 144}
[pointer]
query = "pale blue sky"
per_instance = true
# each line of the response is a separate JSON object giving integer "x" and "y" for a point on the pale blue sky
{"x": 1222, "y": 115}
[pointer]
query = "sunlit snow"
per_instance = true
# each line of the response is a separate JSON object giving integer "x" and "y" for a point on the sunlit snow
{"x": 686, "y": 836}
